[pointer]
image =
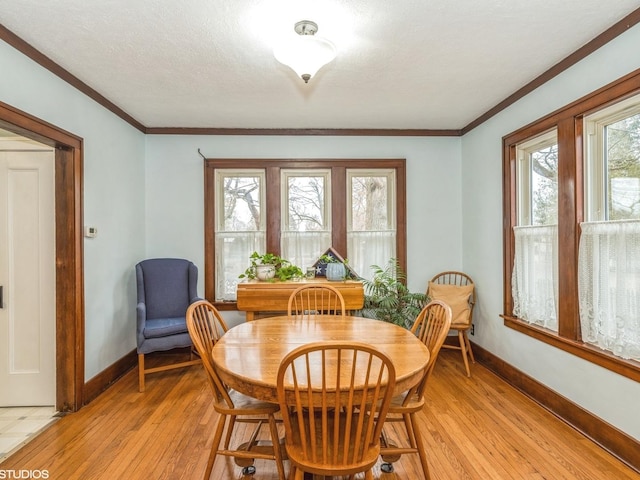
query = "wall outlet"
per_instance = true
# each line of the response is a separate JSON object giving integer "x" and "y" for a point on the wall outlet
{"x": 473, "y": 329}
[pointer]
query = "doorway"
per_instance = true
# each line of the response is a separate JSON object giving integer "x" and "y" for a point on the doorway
{"x": 27, "y": 272}
{"x": 69, "y": 276}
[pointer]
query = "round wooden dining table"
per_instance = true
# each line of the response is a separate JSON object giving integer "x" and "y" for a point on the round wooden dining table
{"x": 247, "y": 356}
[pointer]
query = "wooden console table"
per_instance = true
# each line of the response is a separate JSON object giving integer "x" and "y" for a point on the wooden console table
{"x": 274, "y": 296}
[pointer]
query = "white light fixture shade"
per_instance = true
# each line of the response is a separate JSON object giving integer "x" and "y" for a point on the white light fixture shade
{"x": 305, "y": 54}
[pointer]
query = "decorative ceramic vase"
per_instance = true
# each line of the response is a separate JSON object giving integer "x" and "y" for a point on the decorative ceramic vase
{"x": 335, "y": 272}
{"x": 265, "y": 272}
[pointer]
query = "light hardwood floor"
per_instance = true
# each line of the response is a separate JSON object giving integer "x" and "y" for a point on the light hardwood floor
{"x": 475, "y": 428}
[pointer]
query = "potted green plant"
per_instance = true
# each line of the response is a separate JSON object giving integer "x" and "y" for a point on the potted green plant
{"x": 288, "y": 271}
{"x": 263, "y": 266}
{"x": 388, "y": 298}
{"x": 266, "y": 266}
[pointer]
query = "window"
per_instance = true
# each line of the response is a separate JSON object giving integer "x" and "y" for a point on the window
{"x": 298, "y": 209}
{"x": 306, "y": 215}
{"x": 371, "y": 236}
{"x": 609, "y": 252}
{"x": 535, "y": 279}
{"x": 612, "y": 163}
{"x": 240, "y": 224}
{"x": 572, "y": 206}
{"x": 538, "y": 180}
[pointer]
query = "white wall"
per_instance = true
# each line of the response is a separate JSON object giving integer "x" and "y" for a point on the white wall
{"x": 113, "y": 200}
{"x": 175, "y": 190}
{"x": 606, "y": 394}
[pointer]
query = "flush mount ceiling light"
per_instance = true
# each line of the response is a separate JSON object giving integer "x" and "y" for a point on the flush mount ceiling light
{"x": 306, "y": 53}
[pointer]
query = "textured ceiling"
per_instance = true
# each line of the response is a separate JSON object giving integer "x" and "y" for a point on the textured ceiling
{"x": 403, "y": 64}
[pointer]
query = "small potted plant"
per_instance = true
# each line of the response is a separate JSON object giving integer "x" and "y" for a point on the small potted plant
{"x": 288, "y": 271}
{"x": 263, "y": 267}
{"x": 269, "y": 265}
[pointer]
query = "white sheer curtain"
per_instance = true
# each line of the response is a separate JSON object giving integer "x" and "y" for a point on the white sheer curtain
{"x": 368, "y": 248}
{"x": 535, "y": 275}
{"x": 363, "y": 249}
{"x": 233, "y": 250}
{"x": 609, "y": 286}
{"x": 304, "y": 248}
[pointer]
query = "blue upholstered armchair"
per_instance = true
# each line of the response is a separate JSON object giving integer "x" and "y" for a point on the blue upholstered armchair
{"x": 166, "y": 288}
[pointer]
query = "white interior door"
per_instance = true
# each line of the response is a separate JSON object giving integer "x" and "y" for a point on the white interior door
{"x": 27, "y": 275}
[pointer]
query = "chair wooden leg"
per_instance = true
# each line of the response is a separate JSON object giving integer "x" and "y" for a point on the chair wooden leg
{"x": 464, "y": 352}
{"x": 277, "y": 452}
{"x": 409, "y": 427}
{"x": 420, "y": 446}
{"x": 141, "y": 372}
{"x": 466, "y": 337}
{"x": 230, "y": 427}
{"x": 214, "y": 446}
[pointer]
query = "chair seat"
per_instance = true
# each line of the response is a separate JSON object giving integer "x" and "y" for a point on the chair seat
{"x": 245, "y": 405}
{"x": 164, "y": 327}
{"x": 460, "y": 325}
{"x": 414, "y": 404}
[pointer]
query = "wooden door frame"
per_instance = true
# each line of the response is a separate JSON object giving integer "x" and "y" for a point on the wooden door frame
{"x": 70, "y": 341}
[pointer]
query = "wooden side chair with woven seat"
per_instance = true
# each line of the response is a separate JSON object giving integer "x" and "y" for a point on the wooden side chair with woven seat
{"x": 431, "y": 326}
{"x": 324, "y": 390}
{"x": 458, "y": 291}
{"x": 313, "y": 300}
{"x": 206, "y": 326}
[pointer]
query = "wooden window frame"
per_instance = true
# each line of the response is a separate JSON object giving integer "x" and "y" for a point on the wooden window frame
{"x": 569, "y": 124}
{"x": 272, "y": 169}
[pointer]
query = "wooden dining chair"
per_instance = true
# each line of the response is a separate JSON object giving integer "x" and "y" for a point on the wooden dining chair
{"x": 431, "y": 327}
{"x": 324, "y": 390}
{"x": 313, "y": 299}
{"x": 458, "y": 291}
{"x": 206, "y": 326}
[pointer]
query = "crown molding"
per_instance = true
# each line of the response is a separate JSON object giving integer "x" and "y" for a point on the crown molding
{"x": 378, "y": 132}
